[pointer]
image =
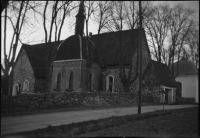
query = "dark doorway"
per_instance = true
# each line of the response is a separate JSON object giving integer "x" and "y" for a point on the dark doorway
{"x": 110, "y": 83}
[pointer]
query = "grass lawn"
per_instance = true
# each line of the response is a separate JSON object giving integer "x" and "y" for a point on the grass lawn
{"x": 177, "y": 124}
{"x": 170, "y": 123}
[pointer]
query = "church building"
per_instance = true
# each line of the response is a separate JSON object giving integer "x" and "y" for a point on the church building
{"x": 69, "y": 65}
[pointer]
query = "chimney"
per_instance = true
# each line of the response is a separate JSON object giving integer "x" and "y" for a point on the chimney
{"x": 90, "y": 34}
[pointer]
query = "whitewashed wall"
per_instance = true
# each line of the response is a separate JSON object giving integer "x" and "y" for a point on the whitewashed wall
{"x": 189, "y": 85}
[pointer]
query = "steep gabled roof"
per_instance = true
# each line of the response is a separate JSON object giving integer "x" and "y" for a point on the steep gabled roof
{"x": 108, "y": 46}
{"x": 36, "y": 55}
{"x": 163, "y": 73}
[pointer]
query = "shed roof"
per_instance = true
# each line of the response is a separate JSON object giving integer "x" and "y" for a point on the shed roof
{"x": 165, "y": 77}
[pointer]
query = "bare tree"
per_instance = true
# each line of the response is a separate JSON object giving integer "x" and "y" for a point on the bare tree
{"x": 180, "y": 22}
{"x": 66, "y": 10}
{"x": 131, "y": 9}
{"x": 103, "y": 13}
{"x": 117, "y": 22}
{"x": 4, "y": 5}
{"x": 58, "y": 8}
{"x": 20, "y": 10}
{"x": 90, "y": 8}
{"x": 102, "y": 16}
{"x": 156, "y": 25}
{"x": 192, "y": 40}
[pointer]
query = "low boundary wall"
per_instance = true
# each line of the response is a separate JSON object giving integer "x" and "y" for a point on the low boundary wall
{"x": 56, "y": 99}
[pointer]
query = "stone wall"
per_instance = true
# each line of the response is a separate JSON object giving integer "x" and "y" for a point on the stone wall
{"x": 185, "y": 100}
{"x": 56, "y": 99}
{"x": 114, "y": 71}
{"x": 151, "y": 83}
{"x": 23, "y": 71}
{"x": 65, "y": 68}
{"x": 96, "y": 73}
{"x": 78, "y": 67}
{"x": 39, "y": 84}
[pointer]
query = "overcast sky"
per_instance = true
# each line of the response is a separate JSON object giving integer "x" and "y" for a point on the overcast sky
{"x": 93, "y": 26}
{"x": 67, "y": 31}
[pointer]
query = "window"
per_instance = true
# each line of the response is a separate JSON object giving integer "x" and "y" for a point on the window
{"x": 110, "y": 83}
{"x": 71, "y": 80}
{"x": 58, "y": 81}
{"x": 15, "y": 89}
{"x": 26, "y": 85}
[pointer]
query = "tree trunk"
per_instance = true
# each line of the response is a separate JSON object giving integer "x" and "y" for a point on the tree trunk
{"x": 126, "y": 88}
{"x": 48, "y": 79}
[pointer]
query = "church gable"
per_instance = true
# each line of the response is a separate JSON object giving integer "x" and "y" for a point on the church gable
{"x": 23, "y": 73}
{"x": 37, "y": 56}
{"x": 114, "y": 72}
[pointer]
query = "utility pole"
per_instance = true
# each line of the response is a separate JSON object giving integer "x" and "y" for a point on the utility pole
{"x": 140, "y": 71}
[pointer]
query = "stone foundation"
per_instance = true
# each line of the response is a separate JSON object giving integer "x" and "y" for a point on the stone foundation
{"x": 185, "y": 100}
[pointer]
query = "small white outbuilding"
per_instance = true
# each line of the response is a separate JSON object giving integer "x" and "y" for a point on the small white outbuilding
{"x": 188, "y": 77}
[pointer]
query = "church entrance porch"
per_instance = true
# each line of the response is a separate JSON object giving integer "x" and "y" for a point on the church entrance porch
{"x": 169, "y": 96}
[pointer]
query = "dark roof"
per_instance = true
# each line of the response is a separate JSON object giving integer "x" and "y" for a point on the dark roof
{"x": 36, "y": 54}
{"x": 164, "y": 74}
{"x": 185, "y": 67}
{"x": 108, "y": 46}
{"x": 71, "y": 49}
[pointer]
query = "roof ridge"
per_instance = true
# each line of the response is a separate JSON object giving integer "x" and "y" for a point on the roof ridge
{"x": 116, "y": 31}
{"x": 42, "y": 43}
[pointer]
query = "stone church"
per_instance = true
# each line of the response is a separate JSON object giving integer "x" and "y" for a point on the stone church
{"x": 69, "y": 66}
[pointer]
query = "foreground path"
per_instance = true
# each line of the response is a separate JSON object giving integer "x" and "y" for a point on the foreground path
{"x": 31, "y": 122}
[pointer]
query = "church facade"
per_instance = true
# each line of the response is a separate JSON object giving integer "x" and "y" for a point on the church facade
{"x": 69, "y": 66}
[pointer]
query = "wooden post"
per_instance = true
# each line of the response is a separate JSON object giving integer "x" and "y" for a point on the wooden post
{"x": 140, "y": 73}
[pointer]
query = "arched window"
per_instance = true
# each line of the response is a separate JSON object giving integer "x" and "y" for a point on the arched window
{"x": 90, "y": 82}
{"x": 58, "y": 81}
{"x": 26, "y": 85}
{"x": 71, "y": 80}
{"x": 15, "y": 89}
{"x": 110, "y": 83}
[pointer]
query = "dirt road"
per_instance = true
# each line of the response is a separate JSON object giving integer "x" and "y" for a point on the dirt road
{"x": 31, "y": 122}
